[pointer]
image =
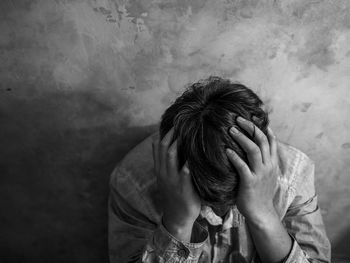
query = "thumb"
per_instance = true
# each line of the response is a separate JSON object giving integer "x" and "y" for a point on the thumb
{"x": 186, "y": 176}
{"x": 188, "y": 181}
{"x": 185, "y": 169}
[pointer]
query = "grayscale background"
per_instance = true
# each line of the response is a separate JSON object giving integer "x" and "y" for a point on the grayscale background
{"x": 83, "y": 81}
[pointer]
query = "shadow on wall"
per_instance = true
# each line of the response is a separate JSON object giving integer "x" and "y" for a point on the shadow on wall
{"x": 340, "y": 249}
{"x": 58, "y": 150}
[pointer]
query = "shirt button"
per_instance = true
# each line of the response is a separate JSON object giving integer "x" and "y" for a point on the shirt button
{"x": 181, "y": 253}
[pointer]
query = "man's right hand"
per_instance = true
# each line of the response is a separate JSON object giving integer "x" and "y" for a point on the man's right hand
{"x": 180, "y": 202}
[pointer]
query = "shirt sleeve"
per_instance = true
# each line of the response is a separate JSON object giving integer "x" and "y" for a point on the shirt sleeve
{"x": 134, "y": 237}
{"x": 304, "y": 222}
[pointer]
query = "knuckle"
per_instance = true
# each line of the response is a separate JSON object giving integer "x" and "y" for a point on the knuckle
{"x": 241, "y": 166}
{"x": 272, "y": 136}
{"x": 263, "y": 138}
{"x": 254, "y": 150}
{"x": 275, "y": 163}
{"x": 269, "y": 165}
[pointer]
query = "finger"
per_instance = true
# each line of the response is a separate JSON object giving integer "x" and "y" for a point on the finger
{"x": 163, "y": 149}
{"x": 252, "y": 150}
{"x": 258, "y": 136}
{"x": 172, "y": 167}
{"x": 273, "y": 143}
{"x": 241, "y": 167}
{"x": 185, "y": 168}
{"x": 185, "y": 173}
{"x": 155, "y": 156}
{"x": 187, "y": 179}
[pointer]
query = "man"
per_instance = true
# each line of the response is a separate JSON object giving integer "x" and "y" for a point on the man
{"x": 220, "y": 187}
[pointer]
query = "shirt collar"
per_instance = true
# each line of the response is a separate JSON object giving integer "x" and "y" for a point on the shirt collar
{"x": 233, "y": 217}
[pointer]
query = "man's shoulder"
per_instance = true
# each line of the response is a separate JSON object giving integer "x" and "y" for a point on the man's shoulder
{"x": 296, "y": 171}
{"x": 134, "y": 180}
{"x": 293, "y": 162}
{"x": 137, "y": 165}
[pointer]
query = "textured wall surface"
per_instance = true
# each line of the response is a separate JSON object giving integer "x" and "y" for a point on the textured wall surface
{"x": 81, "y": 82}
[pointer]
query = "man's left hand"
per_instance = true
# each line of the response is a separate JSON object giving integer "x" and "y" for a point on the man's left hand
{"x": 258, "y": 177}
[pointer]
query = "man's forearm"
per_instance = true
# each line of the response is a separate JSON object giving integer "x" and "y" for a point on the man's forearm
{"x": 270, "y": 237}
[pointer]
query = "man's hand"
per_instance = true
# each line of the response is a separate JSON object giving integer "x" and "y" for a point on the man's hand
{"x": 180, "y": 202}
{"x": 258, "y": 178}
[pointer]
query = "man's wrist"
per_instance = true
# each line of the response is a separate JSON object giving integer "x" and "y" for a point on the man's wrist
{"x": 268, "y": 232}
{"x": 181, "y": 231}
{"x": 264, "y": 219}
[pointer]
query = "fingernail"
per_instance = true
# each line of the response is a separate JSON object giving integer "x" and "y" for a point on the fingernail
{"x": 233, "y": 130}
{"x": 241, "y": 119}
{"x": 228, "y": 150}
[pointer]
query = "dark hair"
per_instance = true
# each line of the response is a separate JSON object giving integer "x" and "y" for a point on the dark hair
{"x": 201, "y": 117}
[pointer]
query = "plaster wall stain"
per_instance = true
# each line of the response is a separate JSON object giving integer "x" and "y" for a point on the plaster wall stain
{"x": 346, "y": 145}
{"x": 320, "y": 135}
{"x": 305, "y": 106}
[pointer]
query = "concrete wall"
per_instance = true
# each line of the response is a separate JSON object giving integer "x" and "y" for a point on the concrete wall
{"x": 84, "y": 81}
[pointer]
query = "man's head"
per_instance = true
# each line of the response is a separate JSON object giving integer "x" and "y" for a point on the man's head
{"x": 201, "y": 118}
